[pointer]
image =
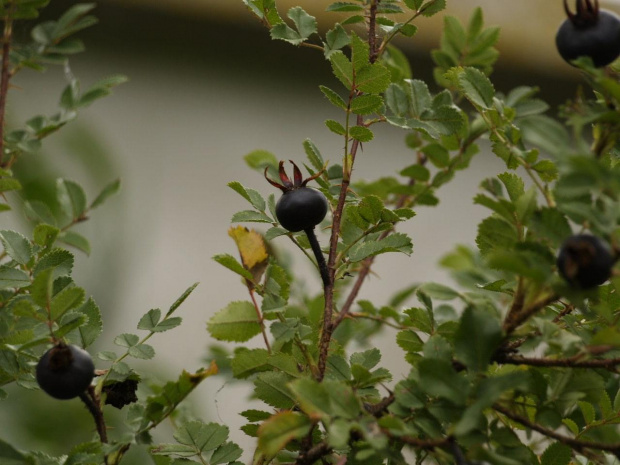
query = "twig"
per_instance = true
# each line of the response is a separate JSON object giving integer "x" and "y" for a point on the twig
{"x": 576, "y": 444}
{"x": 318, "y": 254}
{"x": 261, "y": 320}
{"x": 313, "y": 454}
{"x": 571, "y": 362}
{"x": 91, "y": 401}
{"x": 516, "y": 320}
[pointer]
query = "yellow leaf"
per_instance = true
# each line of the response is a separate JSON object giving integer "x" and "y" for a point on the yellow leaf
{"x": 252, "y": 248}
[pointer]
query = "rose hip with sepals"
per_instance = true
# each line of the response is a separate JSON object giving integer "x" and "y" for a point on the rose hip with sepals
{"x": 65, "y": 371}
{"x": 590, "y": 32}
{"x": 301, "y": 208}
{"x": 584, "y": 261}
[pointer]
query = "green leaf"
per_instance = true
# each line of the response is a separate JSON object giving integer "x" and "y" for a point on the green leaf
{"x": 420, "y": 319}
{"x": 366, "y": 104}
{"x": 409, "y": 341}
{"x": 150, "y": 319}
{"x": 477, "y": 338}
{"x": 334, "y": 98}
{"x": 13, "y": 278}
{"x": 272, "y": 388}
{"x": 361, "y": 133}
{"x": 417, "y": 172}
{"x": 142, "y": 351}
{"x": 342, "y": 68}
{"x": 167, "y": 324}
{"x": 90, "y": 331}
{"x": 514, "y": 185}
{"x": 476, "y": 87}
{"x": 344, "y": 7}
{"x": 397, "y": 242}
{"x": 550, "y": 224}
{"x": 59, "y": 259}
{"x": 335, "y": 39}
{"x": 556, "y": 454}
{"x": 45, "y": 235}
{"x": 335, "y": 127}
{"x": 373, "y": 79}
{"x": 182, "y": 298}
{"x": 313, "y": 154}
{"x": 11, "y": 456}
{"x": 71, "y": 197}
{"x": 250, "y": 195}
{"x": 275, "y": 433}
{"x": 495, "y": 234}
{"x": 9, "y": 184}
{"x": 588, "y": 412}
{"x": 250, "y": 216}
{"x": 247, "y": 362}
{"x": 547, "y": 170}
{"x": 238, "y": 322}
{"x": 433, "y": 7}
{"x": 67, "y": 299}
{"x": 41, "y": 290}
{"x": 305, "y": 24}
{"x": 312, "y": 397}
{"x": 201, "y": 436}
{"x": 126, "y": 340}
{"x": 16, "y": 246}
{"x": 439, "y": 379}
{"x": 108, "y": 191}
{"x": 439, "y": 291}
{"x": 76, "y": 240}
{"x": 232, "y": 264}
{"x": 226, "y": 453}
{"x": 260, "y": 159}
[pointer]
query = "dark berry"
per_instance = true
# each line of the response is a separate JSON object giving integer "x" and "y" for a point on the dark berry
{"x": 65, "y": 371}
{"x": 300, "y": 208}
{"x": 584, "y": 261}
{"x": 589, "y": 32}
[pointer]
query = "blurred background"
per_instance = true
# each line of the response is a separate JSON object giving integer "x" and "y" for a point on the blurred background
{"x": 207, "y": 86}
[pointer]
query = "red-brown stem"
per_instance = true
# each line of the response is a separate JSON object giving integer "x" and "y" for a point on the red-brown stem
{"x": 372, "y": 30}
{"x": 5, "y": 75}
{"x": 576, "y": 444}
{"x": 517, "y": 319}
{"x": 91, "y": 401}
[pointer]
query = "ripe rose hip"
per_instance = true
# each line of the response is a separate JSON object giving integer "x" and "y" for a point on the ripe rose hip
{"x": 584, "y": 261}
{"x": 300, "y": 208}
{"x": 65, "y": 371}
{"x": 590, "y": 32}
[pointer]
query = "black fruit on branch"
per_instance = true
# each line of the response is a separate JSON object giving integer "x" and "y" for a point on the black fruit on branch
{"x": 584, "y": 261}
{"x": 300, "y": 208}
{"x": 589, "y": 32}
{"x": 65, "y": 371}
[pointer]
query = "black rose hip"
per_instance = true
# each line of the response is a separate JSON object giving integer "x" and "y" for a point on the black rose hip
{"x": 590, "y": 32}
{"x": 65, "y": 371}
{"x": 584, "y": 261}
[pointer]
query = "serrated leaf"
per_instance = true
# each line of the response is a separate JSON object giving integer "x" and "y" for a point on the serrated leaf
{"x": 342, "y": 68}
{"x": 335, "y": 39}
{"x": 226, "y": 453}
{"x": 71, "y": 197}
{"x": 366, "y": 104}
{"x": 272, "y": 388}
{"x": 344, "y": 7}
{"x": 250, "y": 195}
{"x": 261, "y": 159}
{"x": 238, "y": 322}
{"x": 409, "y": 341}
{"x": 45, "y": 235}
{"x": 9, "y": 184}
{"x": 588, "y": 412}
{"x": 13, "y": 278}
{"x": 16, "y": 246}
{"x": 476, "y": 87}
{"x": 438, "y": 291}
{"x": 571, "y": 425}
{"x": 201, "y": 436}
{"x": 182, "y": 298}
{"x": 335, "y": 127}
{"x": 94, "y": 326}
{"x": 232, "y": 264}
{"x": 247, "y": 362}
{"x": 334, "y": 98}
{"x": 275, "y": 433}
{"x": 41, "y": 290}
{"x": 150, "y": 319}
{"x": 397, "y": 242}
{"x": 556, "y": 454}
{"x": 142, "y": 351}
{"x": 250, "y": 216}
{"x": 67, "y": 299}
{"x": 126, "y": 340}
{"x": 60, "y": 260}
{"x": 373, "y": 79}
{"x": 495, "y": 234}
{"x": 361, "y": 133}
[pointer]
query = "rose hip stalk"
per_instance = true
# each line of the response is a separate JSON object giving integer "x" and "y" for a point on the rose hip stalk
{"x": 301, "y": 208}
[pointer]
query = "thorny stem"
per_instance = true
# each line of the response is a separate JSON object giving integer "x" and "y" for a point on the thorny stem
{"x": 91, "y": 400}
{"x": 4, "y": 74}
{"x": 313, "y": 454}
{"x": 260, "y": 320}
{"x": 372, "y": 30}
{"x": 576, "y": 444}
